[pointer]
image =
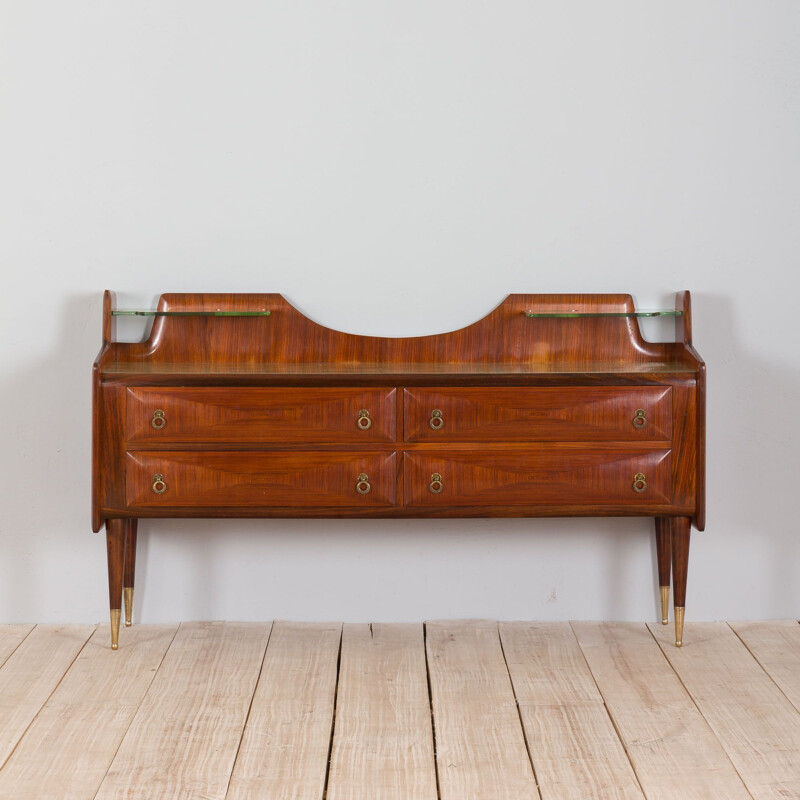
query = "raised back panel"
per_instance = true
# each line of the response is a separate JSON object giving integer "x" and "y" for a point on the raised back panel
{"x": 504, "y": 336}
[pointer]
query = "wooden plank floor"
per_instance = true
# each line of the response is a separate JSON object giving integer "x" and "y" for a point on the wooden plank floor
{"x": 448, "y": 710}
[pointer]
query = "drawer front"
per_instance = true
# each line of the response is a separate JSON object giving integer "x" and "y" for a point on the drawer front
{"x": 164, "y": 479}
{"x": 590, "y": 413}
{"x": 260, "y": 415}
{"x": 559, "y": 477}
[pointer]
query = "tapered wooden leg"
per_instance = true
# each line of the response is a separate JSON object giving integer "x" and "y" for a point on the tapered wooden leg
{"x": 115, "y": 541}
{"x": 681, "y": 527}
{"x": 663, "y": 548}
{"x": 131, "y": 527}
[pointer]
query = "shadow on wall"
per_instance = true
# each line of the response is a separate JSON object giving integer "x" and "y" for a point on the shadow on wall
{"x": 47, "y": 470}
{"x": 752, "y": 480}
{"x": 753, "y": 473}
{"x": 388, "y": 570}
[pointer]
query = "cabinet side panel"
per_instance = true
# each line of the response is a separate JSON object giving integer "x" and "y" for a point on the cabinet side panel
{"x": 684, "y": 444}
{"x": 700, "y": 516}
{"x": 97, "y": 472}
{"x": 110, "y": 449}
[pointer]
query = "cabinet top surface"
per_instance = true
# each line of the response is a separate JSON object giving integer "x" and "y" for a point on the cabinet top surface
{"x": 393, "y": 370}
{"x": 262, "y": 335}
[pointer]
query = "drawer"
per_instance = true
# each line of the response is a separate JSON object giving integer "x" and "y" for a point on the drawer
{"x": 566, "y": 476}
{"x": 166, "y": 479}
{"x": 260, "y": 415}
{"x": 586, "y": 414}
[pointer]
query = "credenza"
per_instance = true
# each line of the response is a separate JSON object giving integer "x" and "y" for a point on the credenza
{"x": 238, "y": 405}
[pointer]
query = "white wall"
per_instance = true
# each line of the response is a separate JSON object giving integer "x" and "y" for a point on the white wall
{"x": 397, "y": 168}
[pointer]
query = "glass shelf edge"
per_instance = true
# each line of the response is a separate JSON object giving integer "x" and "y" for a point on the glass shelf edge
{"x": 569, "y": 314}
{"x": 150, "y": 313}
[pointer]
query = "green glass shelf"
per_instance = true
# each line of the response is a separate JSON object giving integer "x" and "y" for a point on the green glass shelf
{"x": 660, "y": 313}
{"x": 150, "y": 313}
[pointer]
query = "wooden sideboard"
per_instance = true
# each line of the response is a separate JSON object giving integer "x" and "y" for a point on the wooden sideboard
{"x": 237, "y": 405}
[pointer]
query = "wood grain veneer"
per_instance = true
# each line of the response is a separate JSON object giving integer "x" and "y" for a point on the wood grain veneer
{"x": 199, "y": 478}
{"x": 579, "y": 477}
{"x": 259, "y": 415}
{"x": 582, "y": 414}
{"x": 268, "y": 416}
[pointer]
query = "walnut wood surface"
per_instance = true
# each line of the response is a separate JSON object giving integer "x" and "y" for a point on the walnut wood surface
{"x": 600, "y": 413}
{"x": 664, "y": 549}
{"x": 699, "y": 432}
{"x": 129, "y": 570}
{"x": 198, "y": 478}
{"x": 504, "y": 346}
{"x": 442, "y": 511}
{"x": 681, "y": 530}
{"x": 259, "y": 417}
{"x": 579, "y": 477}
{"x": 594, "y": 373}
{"x": 504, "y": 336}
{"x": 683, "y": 333}
{"x": 115, "y": 544}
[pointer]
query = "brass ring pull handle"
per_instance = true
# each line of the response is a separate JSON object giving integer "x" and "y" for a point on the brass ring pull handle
{"x": 436, "y": 421}
{"x": 159, "y": 420}
{"x": 159, "y": 486}
{"x": 364, "y": 422}
{"x": 639, "y": 420}
{"x": 362, "y": 485}
{"x": 639, "y": 482}
{"x": 436, "y": 484}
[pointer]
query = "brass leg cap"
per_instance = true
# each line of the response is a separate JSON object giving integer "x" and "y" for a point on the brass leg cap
{"x": 115, "y": 614}
{"x": 679, "y": 612}
{"x": 128, "y": 595}
{"x": 664, "y": 605}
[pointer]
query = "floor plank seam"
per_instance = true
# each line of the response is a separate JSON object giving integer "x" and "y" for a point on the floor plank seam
{"x": 47, "y": 699}
{"x": 763, "y": 668}
{"x": 250, "y": 707}
{"x": 430, "y": 706}
{"x": 700, "y": 712}
{"x": 519, "y": 714}
{"x": 133, "y": 716}
{"x": 33, "y": 628}
{"x": 333, "y": 716}
{"x": 610, "y": 715}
